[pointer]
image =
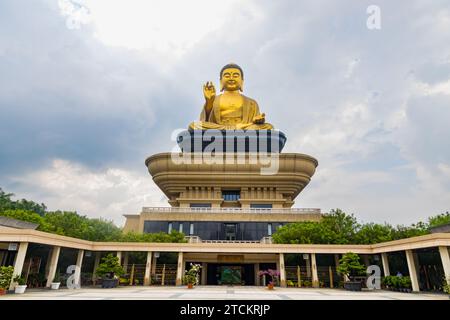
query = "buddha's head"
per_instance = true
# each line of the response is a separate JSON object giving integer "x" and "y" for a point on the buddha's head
{"x": 231, "y": 78}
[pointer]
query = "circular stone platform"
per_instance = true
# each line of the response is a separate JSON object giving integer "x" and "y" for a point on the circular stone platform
{"x": 231, "y": 140}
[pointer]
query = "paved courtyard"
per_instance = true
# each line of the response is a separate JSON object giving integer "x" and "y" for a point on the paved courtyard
{"x": 216, "y": 293}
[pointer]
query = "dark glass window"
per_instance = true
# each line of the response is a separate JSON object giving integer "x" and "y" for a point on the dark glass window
{"x": 231, "y": 195}
{"x": 261, "y": 205}
{"x": 200, "y": 205}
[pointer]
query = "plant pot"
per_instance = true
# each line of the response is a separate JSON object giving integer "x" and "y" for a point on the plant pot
{"x": 55, "y": 285}
{"x": 20, "y": 289}
{"x": 110, "y": 283}
{"x": 190, "y": 286}
{"x": 270, "y": 286}
{"x": 2, "y": 292}
{"x": 352, "y": 285}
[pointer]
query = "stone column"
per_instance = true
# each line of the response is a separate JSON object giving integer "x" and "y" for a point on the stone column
{"x": 445, "y": 258}
{"x": 154, "y": 260}
{"x": 47, "y": 264}
{"x": 125, "y": 262}
{"x": 53, "y": 265}
{"x": 336, "y": 260}
{"x": 78, "y": 269}
{"x": 204, "y": 274}
{"x": 96, "y": 263}
{"x": 315, "y": 277}
{"x": 119, "y": 255}
{"x": 308, "y": 266}
{"x": 180, "y": 269}
{"x": 412, "y": 270}
{"x": 385, "y": 261}
{"x": 19, "y": 261}
{"x": 256, "y": 270}
{"x": 148, "y": 269}
{"x": 282, "y": 271}
{"x": 366, "y": 261}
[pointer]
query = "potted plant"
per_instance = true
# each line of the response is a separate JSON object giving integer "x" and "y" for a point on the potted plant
{"x": 109, "y": 270}
{"x": 446, "y": 286}
{"x": 191, "y": 276}
{"x": 350, "y": 267}
{"x": 274, "y": 277}
{"x": 405, "y": 283}
{"x": 56, "y": 281}
{"x": 6, "y": 274}
{"x": 21, "y": 285}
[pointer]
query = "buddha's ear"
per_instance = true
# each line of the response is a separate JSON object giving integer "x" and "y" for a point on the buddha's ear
{"x": 241, "y": 89}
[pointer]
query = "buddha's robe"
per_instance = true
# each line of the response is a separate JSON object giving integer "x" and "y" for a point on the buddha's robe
{"x": 230, "y": 118}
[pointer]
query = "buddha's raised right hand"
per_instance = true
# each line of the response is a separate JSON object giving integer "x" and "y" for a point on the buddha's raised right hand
{"x": 209, "y": 91}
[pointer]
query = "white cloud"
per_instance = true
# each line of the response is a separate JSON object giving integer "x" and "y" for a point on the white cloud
{"x": 371, "y": 106}
{"x": 107, "y": 193}
{"x": 169, "y": 27}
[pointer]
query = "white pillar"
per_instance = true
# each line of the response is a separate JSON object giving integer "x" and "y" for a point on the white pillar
{"x": 125, "y": 262}
{"x": 412, "y": 270}
{"x": 19, "y": 261}
{"x": 180, "y": 270}
{"x": 53, "y": 265}
{"x": 119, "y": 255}
{"x": 78, "y": 268}
{"x": 282, "y": 271}
{"x": 445, "y": 258}
{"x": 315, "y": 277}
{"x": 148, "y": 267}
{"x": 385, "y": 261}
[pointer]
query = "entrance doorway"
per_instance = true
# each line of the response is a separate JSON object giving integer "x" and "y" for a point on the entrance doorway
{"x": 230, "y": 231}
{"x": 230, "y": 274}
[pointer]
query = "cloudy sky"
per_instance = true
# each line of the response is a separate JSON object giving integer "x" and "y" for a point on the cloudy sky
{"x": 90, "y": 88}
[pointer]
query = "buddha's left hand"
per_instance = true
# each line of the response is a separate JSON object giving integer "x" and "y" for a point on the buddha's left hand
{"x": 259, "y": 119}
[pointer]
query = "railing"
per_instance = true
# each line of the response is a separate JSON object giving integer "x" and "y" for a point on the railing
{"x": 197, "y": 239}
{"x": 230, "y": 241}
{"x": 231, "y": 210}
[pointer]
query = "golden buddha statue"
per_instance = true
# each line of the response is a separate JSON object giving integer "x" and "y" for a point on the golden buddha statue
{"x": 230, "y": 110}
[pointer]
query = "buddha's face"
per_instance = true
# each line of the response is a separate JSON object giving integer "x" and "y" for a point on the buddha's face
{"x": 231, "y": 80}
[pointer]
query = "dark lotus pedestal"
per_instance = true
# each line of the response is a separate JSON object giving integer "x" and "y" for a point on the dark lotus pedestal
{"x": 231, "y": 140}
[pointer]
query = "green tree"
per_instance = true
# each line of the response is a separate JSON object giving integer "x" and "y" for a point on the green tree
{"x": 373, "y": 233}
{"x": 340, "y": 226}
{"x": 6, "y": 203}
{"x": 438, "y": 220}
{"x": 174, "y": 237}
{"x": 109, "y": 267}
{"x": 350, "y": 265}
{"x": 29, "y": 216}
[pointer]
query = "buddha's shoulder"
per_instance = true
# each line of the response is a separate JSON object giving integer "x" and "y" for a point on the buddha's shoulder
{"x": 249, "y": 100}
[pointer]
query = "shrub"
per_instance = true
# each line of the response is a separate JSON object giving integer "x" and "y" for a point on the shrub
{"x": 21, "y": 281}
{"x": 350, "y": 266}
{"x": 191, "y": 276}
{"x": 446, "y": 285}
{"x": 6, "y": 274}
{"x": 110, "y": 267}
